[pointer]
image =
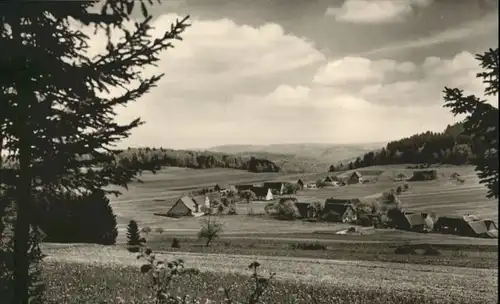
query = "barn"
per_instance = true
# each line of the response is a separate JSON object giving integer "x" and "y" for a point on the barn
{"x": 416, "y": 222}
{"x": 354, "y": 178}
{"x": 184, "y": 206}
{"x": 243, "y": 187}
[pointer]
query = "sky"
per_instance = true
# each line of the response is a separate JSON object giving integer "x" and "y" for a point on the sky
{"x": 292, "y": 71}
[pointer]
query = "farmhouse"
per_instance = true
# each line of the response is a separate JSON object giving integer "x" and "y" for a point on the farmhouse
{"x": 416, "y": 222}
{"x": 344, "y": 213}
{"x": 184, "y": 206}
{"x": 262, "y": 193}
{"x": 423, "y": 175}
{"x": 277, "y": 188}
{"x": 354, "y": 178}
{"x": 469, "y": 226}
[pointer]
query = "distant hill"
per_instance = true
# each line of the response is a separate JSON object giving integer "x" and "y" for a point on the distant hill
{"x": 305, "y": 152}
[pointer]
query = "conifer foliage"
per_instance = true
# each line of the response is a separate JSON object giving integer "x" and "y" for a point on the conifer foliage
{"x": 134, "y": 240}
{"x": 53, "y": 126}
{"x": 481, "y": 121}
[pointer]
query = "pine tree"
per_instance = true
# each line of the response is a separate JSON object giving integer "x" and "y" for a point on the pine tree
{"x": 133, "y": 234}
{"x": 481, "y": 121}
{"x": 53, "y": 125}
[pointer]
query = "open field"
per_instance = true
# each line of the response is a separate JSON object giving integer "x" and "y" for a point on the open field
{"x": 96, "y": 271}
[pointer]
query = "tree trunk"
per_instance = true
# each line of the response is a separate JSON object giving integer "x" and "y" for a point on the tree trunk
{"x": 23, "y": 195}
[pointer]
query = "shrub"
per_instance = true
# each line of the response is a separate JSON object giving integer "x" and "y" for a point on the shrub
{"x": 406, "y": 186}
{"x": 231, "y": 210}
{"x": 405, "y": 249}
{"x": 146, "y": 230}
{"x": 431, "y": 251}
{"x": 399, "y": 189}
{"x": 287, "y": 210}
{"x": 315, "y": 209}
{"x": 210, "y": 230}
{"x": 72, "y": 218}
{"x": 308, "y": 246}
{"x": 270, "y": 209}
{"x": 176, "y": 243}
{"x": 159, "y": 230}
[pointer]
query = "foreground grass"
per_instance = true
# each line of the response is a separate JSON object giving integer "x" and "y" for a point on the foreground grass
{"x": 91, "y": 283}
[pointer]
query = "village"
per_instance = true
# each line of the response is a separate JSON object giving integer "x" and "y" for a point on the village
{"x": 283, "y": 200}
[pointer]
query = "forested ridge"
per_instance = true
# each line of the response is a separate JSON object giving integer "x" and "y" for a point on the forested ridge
{"x": 452, "y": 146}
{"x": 160, "y": 157}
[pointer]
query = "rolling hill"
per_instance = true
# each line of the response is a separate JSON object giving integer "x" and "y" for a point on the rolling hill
{"x": 307, "y": 152}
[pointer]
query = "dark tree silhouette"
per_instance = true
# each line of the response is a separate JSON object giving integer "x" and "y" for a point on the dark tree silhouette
{"x": 133, "y": 234}
{"x": 54, "y": 125}
{"x": 481, "y": 122}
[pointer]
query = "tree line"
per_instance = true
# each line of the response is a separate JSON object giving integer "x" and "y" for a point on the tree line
{"x": 451, "y": 146}
{"x": 155, "y": 158}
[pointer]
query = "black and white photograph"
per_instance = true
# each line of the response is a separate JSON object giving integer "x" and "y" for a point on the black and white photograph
{"x": 249, "y": 151}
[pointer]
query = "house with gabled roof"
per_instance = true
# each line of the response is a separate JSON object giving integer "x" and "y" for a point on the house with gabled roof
{"x": 344, "y": 213}
{"x": 184, "y": 206}
{"x": 300, "y": 183}
{"x": 354, "y": 178}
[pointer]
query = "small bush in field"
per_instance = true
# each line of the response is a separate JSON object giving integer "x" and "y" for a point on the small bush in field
{"x": 159, "y": 230}
{"x": 308, "y": 246}
{"x": 406, "y": 186}
{"x": 231, "y": 210}
{"x": 399, "y": 189}
{"x": 210, "y": 230}
{"x": 405, "y": 249}
{"x": 146, "y": 230}
{"x": 176, "y": 243}
{"x": 431, "y": 251}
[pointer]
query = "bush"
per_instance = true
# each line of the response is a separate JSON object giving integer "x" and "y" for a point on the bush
{"x": 287, "y": 210}
{"x": 72, "y": 218}
{"x": 159, "y": 230}
{"x": 399, "y": 189}
{"x": 146, "y": 230}
{"x": 308, "y": 246}
{"x": 406, "y": 186}
{"x": 405, "y": 249}
{"x": 210, "y": 230}
{"x": 231, "y": 210}
{"x": 176, "y": 243}
{"x": 431, "y": 251}
{"x": 270, "y": 209}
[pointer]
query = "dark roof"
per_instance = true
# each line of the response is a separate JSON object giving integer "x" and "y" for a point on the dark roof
{"x": 274, "y": 185}
{"x": 244, "y": 186}
{"x": 188, "y": 202}
{"x": 300, "y": 181}
{"x": 223, "y": 185}
{"x": 340, "y": 201}
{"x": 337, "y": 208}
{"x": 355, "y": 173}
{"x": 260, "y": 191}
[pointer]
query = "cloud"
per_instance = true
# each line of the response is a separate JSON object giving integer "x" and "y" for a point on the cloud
{"x": 228, "y": 83}
{"x": 359, "y": 69}
{"x": 475, "y": 28}
{"x": 375, "y": 11}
